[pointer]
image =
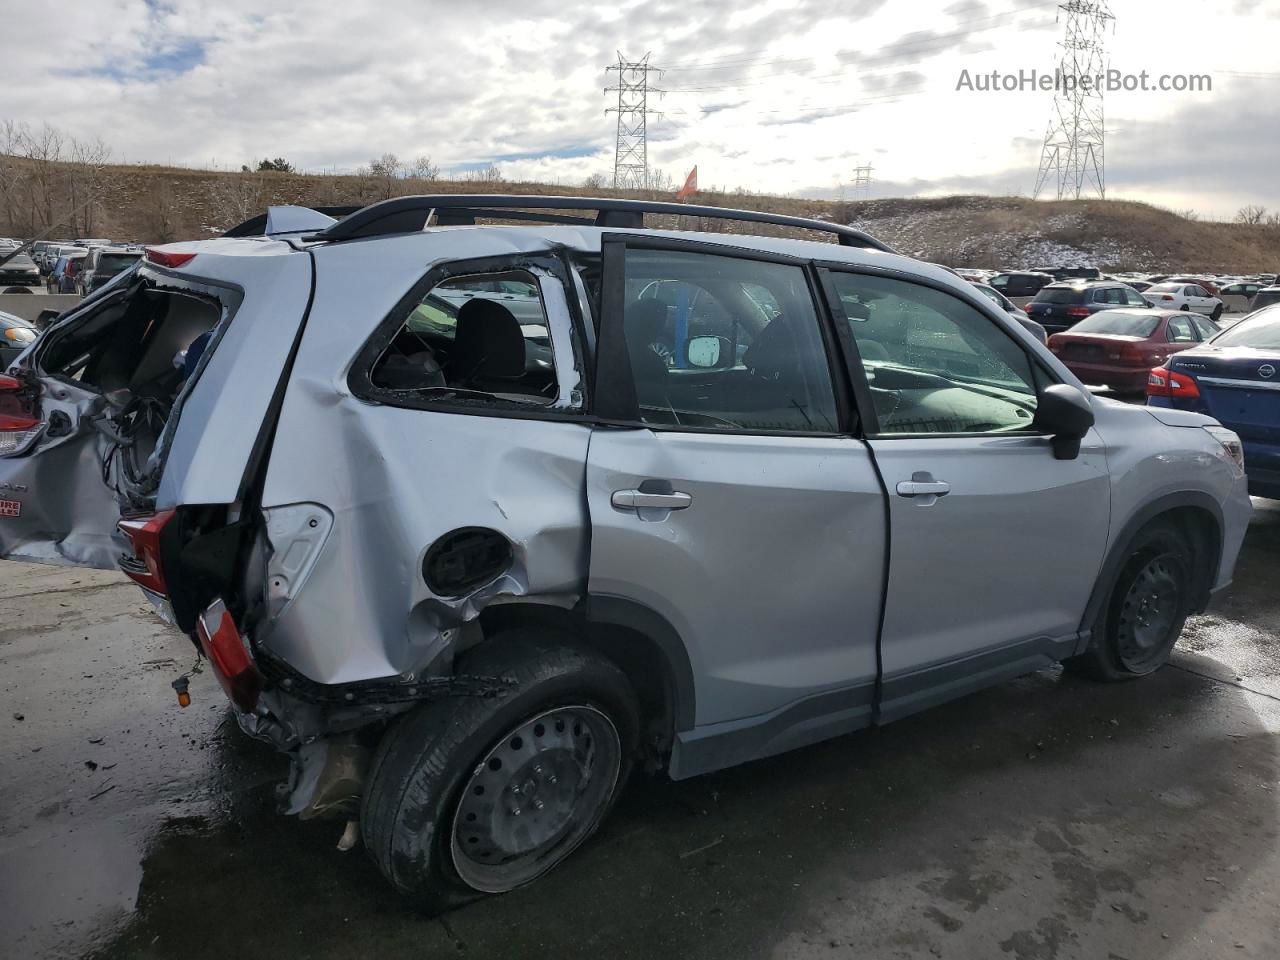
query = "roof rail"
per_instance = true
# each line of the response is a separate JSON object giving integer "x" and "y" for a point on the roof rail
{"x": 410, "y": 214}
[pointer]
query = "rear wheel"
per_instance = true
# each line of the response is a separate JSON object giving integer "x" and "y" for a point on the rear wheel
{"x": 1146, "y": 609}
{"x": 471, "y": 796}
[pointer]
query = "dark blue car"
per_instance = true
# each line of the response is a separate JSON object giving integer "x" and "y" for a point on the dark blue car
{"x": 1235, "y": 377}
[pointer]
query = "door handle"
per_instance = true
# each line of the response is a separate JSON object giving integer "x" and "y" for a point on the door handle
{"x": 638, "y": 499}
{"x": 923, "y": 488}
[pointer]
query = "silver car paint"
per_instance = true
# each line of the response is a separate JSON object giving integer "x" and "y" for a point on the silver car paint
{"x": 771, "y": 517}
{"x": 396, "y": 479}
{"x": 390, "y": 481}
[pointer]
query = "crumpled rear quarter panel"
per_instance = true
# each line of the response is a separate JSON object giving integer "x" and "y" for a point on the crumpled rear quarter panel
{"x": 396, "y": 479}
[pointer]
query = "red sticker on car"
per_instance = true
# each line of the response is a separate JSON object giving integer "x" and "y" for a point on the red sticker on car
{"x": 10, "y": 508}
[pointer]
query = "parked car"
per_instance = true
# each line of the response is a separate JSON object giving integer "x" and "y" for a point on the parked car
{"x": 1011, "y": 308}
{"x": 15, "y": 336}
{"x": 467, "y": 594}
{"x": 1208, "y": 285}
{"x": 1245, "y": 289}
{"x": 1071, "y": 273}
{"x": 1061, "y": 305}
{"x": 1118, "y": 348}
{"x": 1234, "y": 378}
{"x": 62, "y": 278}
{"x": 101, "y": 265}
{"x": 18, "y": 269}
{"x": 1176, "y": 295}
{"x": 1020, "y": 284}
{"x": 1265, "y": 297}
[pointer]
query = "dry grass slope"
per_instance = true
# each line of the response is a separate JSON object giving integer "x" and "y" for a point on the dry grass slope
{"x": 152, "y": 203}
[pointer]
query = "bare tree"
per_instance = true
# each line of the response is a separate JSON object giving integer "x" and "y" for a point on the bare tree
{"x": 238, "y": 197}
{"x": 489, "y": 174}
{"x": 385, "y": 170}
{"x": 1251, "y": 214}
{"x": 13, "y": 176}
{"x": 160, "y": 213}
{"x": 421, "y": 168}
{"x": 43, "y": 151}
{"x": 86, "y": 181}
{"x": 595, "y": 182}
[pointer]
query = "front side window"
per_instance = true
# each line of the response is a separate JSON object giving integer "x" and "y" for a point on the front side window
{"x": 480, "y": 338}
{"x": 934, "y": 363}
{"x": 716, "y": 342}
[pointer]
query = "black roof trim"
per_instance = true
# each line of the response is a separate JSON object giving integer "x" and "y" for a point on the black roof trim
{"x": 410, "y": 214}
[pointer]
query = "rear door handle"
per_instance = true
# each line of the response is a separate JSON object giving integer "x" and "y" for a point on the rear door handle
{"x": 922, "y": 488}
{"x": 637, "y": 499}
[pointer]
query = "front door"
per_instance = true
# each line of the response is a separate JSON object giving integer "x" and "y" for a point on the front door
{"x": 728, "y": 495}
{"x": 995, "y": 544}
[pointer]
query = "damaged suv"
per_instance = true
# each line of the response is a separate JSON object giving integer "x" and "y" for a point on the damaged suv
{"x": 471, "y": 519}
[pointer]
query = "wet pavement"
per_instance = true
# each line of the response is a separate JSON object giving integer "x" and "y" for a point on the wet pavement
{"x": 1046, "y": 818}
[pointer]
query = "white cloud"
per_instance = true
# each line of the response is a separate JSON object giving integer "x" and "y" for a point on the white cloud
{"x": 772, "y": 95}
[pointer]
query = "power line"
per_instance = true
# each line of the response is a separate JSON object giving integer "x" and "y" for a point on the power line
{"x": 1074, "y": 143}
{"x": 631, "y": 154}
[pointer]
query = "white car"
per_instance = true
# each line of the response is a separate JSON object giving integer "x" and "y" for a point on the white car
{"x": 1174, "y": 295}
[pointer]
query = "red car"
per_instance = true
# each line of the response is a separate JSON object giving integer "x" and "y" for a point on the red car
{"x": 1118, "y": 348}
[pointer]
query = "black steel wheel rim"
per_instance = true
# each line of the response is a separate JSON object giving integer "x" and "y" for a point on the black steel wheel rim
{"x": 537, "y": 794}
{"x": 1149, "y": 613}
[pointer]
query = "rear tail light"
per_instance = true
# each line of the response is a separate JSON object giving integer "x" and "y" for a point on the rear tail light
{"x": 1166, "y": 296}
{"x": 144, "y": 567}
{"x": 20, "y": 420}
{"x": 1130, "y": 354}
{"x": 1161, "y": 382}
{"x": 168, "y": 259}
{"x": 1081, "y": 312}
{"x": 228, "y": 652}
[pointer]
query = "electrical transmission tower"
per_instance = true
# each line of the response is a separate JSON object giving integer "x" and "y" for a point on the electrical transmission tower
{"x": 862, "y": 182}
{"x": 1073, "y": 152}
{"x": 631, "y": 158}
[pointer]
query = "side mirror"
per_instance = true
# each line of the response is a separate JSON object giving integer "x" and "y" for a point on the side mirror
{"x": 46, "y": 317}
{"x": 709, "y": 353}
{"x": 1066, "y": 413}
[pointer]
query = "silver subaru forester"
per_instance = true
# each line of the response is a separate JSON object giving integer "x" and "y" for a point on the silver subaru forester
{"x": 471, "y": 518}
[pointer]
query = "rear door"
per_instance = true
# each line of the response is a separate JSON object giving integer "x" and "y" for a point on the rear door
{"x": 728, "y": 494}
{"x": 995, "y": 544}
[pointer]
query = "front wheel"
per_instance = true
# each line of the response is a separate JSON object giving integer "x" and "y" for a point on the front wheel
{"x": 1217, "y": 313}
{"x": 471, "y": 796}
{"x": 1144, "y": 614}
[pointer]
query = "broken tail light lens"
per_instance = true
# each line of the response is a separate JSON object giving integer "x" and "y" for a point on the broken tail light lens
{"x": 144, "y": 567}
{"x": 1161, "y": 382}
{"x": 228, "y": 652}
{"x": 20, "y": 420}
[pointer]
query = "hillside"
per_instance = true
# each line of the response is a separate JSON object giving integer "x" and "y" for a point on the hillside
{"x": 159, "y": 203}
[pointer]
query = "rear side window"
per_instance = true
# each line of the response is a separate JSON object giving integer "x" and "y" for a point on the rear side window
{"x": 715, "y": 342}
{"x": 1180, "y": 331}
{"x": 479, "y": 338}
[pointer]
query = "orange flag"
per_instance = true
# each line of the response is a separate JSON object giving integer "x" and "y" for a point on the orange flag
{"x": 690, "y": 184}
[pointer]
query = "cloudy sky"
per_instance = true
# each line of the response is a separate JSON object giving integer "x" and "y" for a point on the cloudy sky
{"x": 783, "y": 96}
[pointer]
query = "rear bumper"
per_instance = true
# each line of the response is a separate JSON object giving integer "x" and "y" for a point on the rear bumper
{"x": 1262, "y": 466}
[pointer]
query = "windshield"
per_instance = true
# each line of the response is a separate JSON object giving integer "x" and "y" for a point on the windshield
{"x": 1119, "y": 323}
{"x": 1060, "y": 295}
{"x": 1260, "y": 330}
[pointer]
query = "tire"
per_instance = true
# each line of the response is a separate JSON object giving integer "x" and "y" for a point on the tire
{"x": 568, "y": 732}
{"x": 1217, "y": 313}
{"x": 1145, "y": 609}
{"x": 1185, "y": 308}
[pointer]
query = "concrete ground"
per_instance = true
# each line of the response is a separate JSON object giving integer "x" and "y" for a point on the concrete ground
{"x": 1046, "y": 818}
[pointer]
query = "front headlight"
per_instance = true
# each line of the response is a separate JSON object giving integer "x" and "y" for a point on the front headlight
{"x": 1230, "y": 441}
